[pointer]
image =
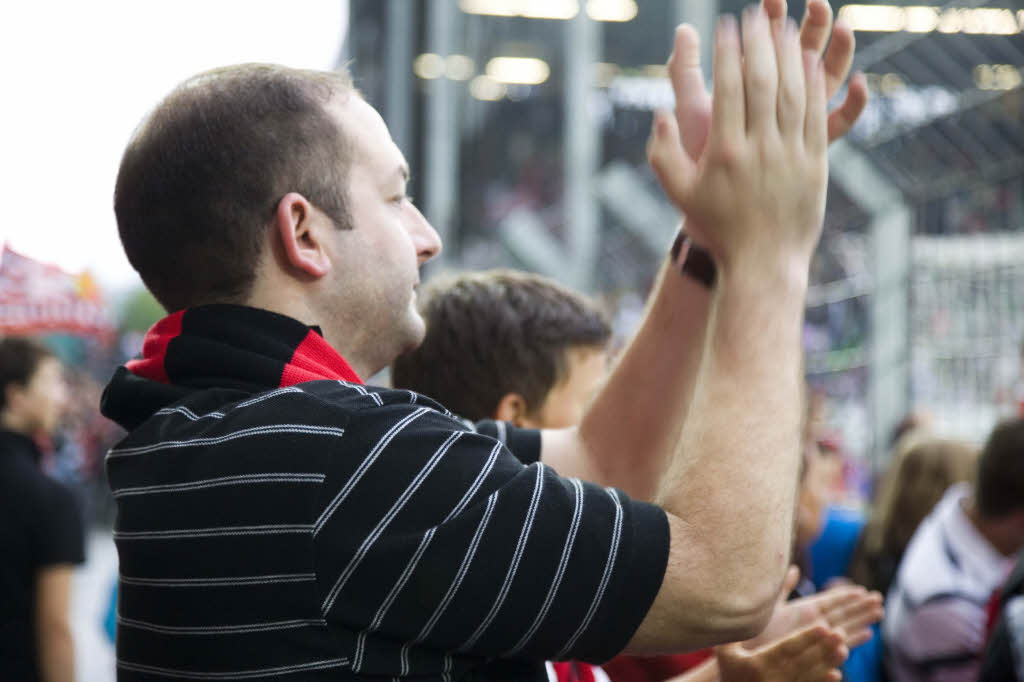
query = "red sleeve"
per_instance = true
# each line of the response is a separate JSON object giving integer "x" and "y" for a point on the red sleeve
{"x": 653, "y": 668}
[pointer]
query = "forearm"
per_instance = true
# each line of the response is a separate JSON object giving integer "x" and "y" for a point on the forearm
{"x": 56, "y": 653}
{"x": 629, "y": 434}
{"x": 733, "y": 477}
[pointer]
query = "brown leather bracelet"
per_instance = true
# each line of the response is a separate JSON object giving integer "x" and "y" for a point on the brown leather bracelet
{"x": 698, "y": 264}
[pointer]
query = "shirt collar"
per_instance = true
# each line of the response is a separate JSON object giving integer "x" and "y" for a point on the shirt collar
{"x": 976, "y": 554}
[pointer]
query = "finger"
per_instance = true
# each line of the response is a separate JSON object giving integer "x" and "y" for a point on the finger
{"x": 760, "y": 71}
{"x": 839, "y": 57}
{"x": 789, "y": 582}
{"x": 816, "y": 119}
{"x": 675, "y": 170}
{"x": 806, "y": 654}
{"x": 858, "y": 618}
{"x": 792, "y": 98}
{"x": 861, "y": 609}
{"x": 832, "y": 601}
{"x": 693, "y": 103}
{"x": 842, "y": 119}
{"x": 727, "y": 108}
{"x": 816, "y": 26}
{"x": 775, "y": 9}
{"x": 731, "y": 650}
{"x": 820, "y": 672}
{"x": 859, "y": 637}
{"x": 824, "y": 651}
{"x": 799, "y": 642}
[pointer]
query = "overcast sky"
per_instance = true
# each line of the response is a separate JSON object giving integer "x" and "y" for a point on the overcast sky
{"x": 78, "y": 77}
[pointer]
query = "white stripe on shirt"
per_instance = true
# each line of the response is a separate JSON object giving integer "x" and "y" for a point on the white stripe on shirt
{"x": 217, "y": 440}
{"x": 192, "y": 416}
{"x": 234, "y": 674}
{"x": 461, "y": 573}
{"x": 563, "y": 562}
{"x": 613, "y": 551}
{"x": 245, "y": 628}
{"x": 272, "y": 529}
{"x": 475, "y": 485}
{"x": 364, "y": 465}
{"x": 375, "y": 534}
{"x": 220, "y": 582}
{"x": 202, "y": 484}
{"x": 514, "y": 564}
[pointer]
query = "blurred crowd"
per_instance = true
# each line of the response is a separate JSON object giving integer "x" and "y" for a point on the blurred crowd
{"x": 855, "y": 527}
{"x": 910, "y": 570}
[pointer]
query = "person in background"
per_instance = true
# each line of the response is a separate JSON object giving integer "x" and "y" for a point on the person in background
{"x": 41, "y": 531}
{"x": 960, "y": 554}
{"x": 922, "y": 470}
{"x": 520, "y": 348}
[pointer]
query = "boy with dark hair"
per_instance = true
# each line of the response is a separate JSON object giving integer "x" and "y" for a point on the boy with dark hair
{"x": 40, "y": 525}
{"x": 514, "y": 346}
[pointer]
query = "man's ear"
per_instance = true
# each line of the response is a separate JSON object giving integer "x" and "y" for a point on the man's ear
{"x": 512, "y": 408}
{"x": 300, "y": 228}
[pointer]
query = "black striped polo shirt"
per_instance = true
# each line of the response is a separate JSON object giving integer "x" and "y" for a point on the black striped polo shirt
{"x": 292, "y": 523}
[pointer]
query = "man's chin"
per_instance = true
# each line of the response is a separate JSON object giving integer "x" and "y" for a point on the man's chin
{"x": 416, "y": 335}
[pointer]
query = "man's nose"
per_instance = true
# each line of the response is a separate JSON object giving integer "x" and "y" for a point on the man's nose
{"x": 424, "y": 237}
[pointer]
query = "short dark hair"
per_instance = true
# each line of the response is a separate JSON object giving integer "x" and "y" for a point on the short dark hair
{"x": 202, "y": 176}
{"x": 20, "y": 357}
{"x": 493, "y": 333}
{"x": 1000, "y": 485}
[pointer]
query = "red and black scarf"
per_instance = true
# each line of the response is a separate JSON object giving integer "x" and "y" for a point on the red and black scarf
{"x": 219, "y": 346}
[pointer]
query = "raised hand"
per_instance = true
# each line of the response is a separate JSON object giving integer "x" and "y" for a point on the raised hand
{"x": 693, "y": 107}
{"x": 758, "y": 189}
{"x": 848, "y": 608}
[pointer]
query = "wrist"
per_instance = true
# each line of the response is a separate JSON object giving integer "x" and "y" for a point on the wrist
{"x": 767, "y": 270}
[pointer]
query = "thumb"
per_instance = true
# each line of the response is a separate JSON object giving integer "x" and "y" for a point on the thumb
{"x": 789, "y": 583}
{"x": 730, "y": 653}
{"x": 676, "y": 171}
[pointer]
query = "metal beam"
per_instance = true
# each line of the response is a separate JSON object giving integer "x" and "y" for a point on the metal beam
{"x": 889, "y": 248}
{"x": 398, "y": 66}
{"x": 883, "y": 48}
{"x": 441, "y": 143}
{"x": 965, "y": 101}
{"x": 582, "y": 149}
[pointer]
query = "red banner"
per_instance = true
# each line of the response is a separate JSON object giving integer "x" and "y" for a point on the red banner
{"x": 38, "y": 298}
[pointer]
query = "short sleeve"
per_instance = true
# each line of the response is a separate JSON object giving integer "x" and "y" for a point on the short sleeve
{"x": 61, "y": 535}
{"x": 435, "y": 537}
{"x": 524, "y": 444}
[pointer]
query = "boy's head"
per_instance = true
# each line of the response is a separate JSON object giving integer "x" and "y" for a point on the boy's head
{"x": 33, "y": 395}
{"x": 507, "y": 345}
{"x": 999, "y": 487}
